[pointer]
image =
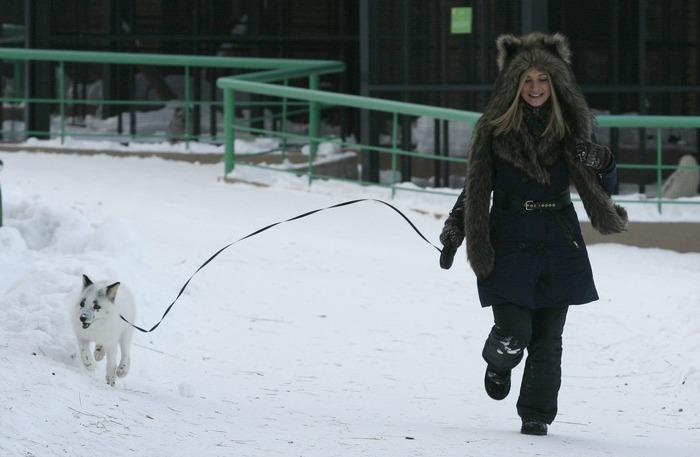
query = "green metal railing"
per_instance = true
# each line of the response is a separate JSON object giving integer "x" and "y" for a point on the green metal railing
{"x": 265, "y": 68}
{"x": 395, "y": 109}
{"x": 269, "y": 79}
{"x": 317, "y": 98}
{"x": 656, "y": 123}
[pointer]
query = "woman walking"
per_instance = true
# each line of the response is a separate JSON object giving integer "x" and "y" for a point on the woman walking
{"x": 522, "y": 233}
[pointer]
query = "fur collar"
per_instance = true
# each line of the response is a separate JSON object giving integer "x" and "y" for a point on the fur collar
{"x": 527, "y": 153}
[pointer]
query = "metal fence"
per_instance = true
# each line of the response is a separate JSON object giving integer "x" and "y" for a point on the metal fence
{"x": 222, "y": 100}
{"x": 643, "y": 169}
{"x": 128, "y": 96}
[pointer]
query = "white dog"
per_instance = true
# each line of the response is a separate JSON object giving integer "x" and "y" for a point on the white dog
{"x": 96, "y": 318}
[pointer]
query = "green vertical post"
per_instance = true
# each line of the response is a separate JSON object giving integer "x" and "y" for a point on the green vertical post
{"x": 314, "y": 124}
{"x": 283, "y": 126}
{"x": 394, "y": 146}
{"x": 229, "y": 136}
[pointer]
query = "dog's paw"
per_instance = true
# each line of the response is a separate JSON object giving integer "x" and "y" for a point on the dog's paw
{"x": 111, "y": 379}
{"x": 99, "y": 352}
{"x": 123, "y": 370}
{"x": 89, "y": 364}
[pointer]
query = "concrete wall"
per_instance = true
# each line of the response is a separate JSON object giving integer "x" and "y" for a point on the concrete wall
{"x": 676, "y": 236}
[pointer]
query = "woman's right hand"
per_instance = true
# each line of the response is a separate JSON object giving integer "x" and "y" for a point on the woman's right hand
{"x": 451, "y": 238}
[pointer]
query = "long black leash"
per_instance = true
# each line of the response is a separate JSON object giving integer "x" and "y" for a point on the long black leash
{"x": 301, "y": 216}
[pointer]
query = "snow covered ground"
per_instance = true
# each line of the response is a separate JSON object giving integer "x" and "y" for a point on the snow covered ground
{"x": 334, "y": 335}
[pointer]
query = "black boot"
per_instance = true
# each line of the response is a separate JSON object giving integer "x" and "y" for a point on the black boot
{"x": 497, "y": 383}
{"x": 533, "y": 427}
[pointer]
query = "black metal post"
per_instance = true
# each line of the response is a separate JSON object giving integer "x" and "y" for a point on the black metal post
{"x": 40, "y": 74}
{"x": 370, "y": 159}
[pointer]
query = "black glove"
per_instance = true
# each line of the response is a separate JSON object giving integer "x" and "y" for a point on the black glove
{"x": 451, "y": 238}
{"x": 593, "y": 155}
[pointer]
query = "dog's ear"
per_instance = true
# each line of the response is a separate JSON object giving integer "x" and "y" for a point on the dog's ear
{"x": 112, "y": 291}
{"x": 86, "y": 281}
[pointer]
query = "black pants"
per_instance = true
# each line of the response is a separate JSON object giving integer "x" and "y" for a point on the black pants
{"x": 517, "y": 328}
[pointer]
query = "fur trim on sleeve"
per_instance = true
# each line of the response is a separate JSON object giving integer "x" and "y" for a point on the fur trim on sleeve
{"x": 606, "y": 216}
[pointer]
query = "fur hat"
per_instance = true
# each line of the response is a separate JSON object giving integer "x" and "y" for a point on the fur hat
{"x": 552, "y": 54}
{"x": 529, "y": 48}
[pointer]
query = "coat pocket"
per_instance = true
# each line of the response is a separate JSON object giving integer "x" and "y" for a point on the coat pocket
{"x": 572, "y": 234}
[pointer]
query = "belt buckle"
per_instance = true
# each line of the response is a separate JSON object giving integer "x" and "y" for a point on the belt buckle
{"x": 529, "y": 205}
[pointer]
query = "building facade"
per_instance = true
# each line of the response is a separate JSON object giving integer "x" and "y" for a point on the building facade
{"x": 629, "y": 55}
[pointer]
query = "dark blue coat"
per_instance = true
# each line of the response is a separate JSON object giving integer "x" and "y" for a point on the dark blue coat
{"x": 540, "y": 256}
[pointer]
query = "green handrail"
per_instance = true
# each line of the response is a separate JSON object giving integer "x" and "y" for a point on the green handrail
{"x": 269, "y": 69}
{"x": 651, "y": 122}
{"x": 178, "y": 60}
{"x": 353, "y": 101}
{"x": 646, "y": 121}
{"x": 270, "y": 77}
{"x": 252, "y": 85}
{"x": 313, "y": 70}
{"x": 316, "y": 97}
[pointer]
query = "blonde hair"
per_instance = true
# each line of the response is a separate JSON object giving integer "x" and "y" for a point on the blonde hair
{"x": 512, "y": 118}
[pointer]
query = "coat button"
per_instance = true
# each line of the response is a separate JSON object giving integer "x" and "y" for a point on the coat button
{"x": 521, "y": 246}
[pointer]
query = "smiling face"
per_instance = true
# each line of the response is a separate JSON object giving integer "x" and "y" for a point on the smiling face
{"x": 536, "y": 90}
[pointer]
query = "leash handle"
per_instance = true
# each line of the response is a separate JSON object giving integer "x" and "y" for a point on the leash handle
{"x": 268, "y": 227}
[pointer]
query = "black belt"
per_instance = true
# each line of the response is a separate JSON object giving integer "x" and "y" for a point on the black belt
{"x": 506, "y": 201}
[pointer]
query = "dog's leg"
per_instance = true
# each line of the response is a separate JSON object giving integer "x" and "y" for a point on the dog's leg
{"x": 86, "y": 355}
{"x": 99, "y": 352}
{"x": 111, "y": 353}
{"x": 125, "y": 348}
